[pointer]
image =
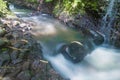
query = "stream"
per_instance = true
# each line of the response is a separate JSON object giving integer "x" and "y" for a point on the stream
{"x": 103, "y": 63}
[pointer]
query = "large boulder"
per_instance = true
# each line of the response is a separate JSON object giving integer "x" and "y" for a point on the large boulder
{"x": 74, "y": 51}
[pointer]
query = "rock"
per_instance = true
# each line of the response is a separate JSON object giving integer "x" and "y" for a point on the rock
{"x": 74, "y": 51}
{"x": 17, "y": 45}
{"x": 24, "y": 75}
{"x": 6, "y": 78}
{"x": 15, "y": 61}
{"x": 35, "y": 64}
{"x": 117, "y": 42}
{"x": 14, "y": 55}
{"x": 2, "y": 32}
{"x": 98, "y": 38}
{"x": 9, "y": 36}
{"x": 4, "y": 42}
{"x": 4, "y": 57}
{"x": 26, "y": 65}
{"x": 37, "y": 77}
{"x": 15, "y": 23}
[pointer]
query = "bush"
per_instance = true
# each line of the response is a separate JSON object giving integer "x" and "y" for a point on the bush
{"x": 3, "y": 8}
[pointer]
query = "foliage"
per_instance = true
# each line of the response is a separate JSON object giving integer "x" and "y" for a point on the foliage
{"x": 72, "y": 7}
{"x": 69, "y": 6}
{"x": 3, "y": 8}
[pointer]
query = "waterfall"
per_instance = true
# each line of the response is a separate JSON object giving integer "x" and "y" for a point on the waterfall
{"x": 107, "y": 20}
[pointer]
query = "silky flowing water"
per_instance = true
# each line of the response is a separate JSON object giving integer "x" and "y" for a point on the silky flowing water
{"x": 108, "y": 19}
{"x": 103, "y": 63}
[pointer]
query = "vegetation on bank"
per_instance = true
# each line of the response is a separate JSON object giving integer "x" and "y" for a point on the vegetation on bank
{"x": 72, "y": 7}
{"x": 3, "y": 8}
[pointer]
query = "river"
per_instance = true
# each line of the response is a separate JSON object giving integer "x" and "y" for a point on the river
{"x": 103, "y": 63}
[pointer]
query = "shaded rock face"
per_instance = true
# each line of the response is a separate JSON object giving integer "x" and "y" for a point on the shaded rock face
{"x": 21, "y": 55}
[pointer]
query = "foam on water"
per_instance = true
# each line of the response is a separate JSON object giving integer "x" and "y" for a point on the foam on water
{"x": 101, "y": 64}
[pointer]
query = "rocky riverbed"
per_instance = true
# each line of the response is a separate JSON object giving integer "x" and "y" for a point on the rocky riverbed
{"x": 20, "y": 54}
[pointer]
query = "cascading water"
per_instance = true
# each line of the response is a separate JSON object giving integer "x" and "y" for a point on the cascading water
{"x": 102, "y": 64}
{"x": 107, "y": 20}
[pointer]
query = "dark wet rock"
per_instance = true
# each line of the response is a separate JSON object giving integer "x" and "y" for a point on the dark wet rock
{"x": 98, "y": 38}
{"x": 21, "y": 55}
{"x": 15, "y": 61}
{"x": 115, "y": 39}
{"x": 4, "y": 42}
{"x": 75, "y": 51}
{"x": 2, "y": 32}
{"x": 117, "y": 43}
{"x": 26, "y": 65}
{"x": 14, "y": 55}
{"x": 9, "y": 36}
{"x": 24, "y": 75}
{"x": 35, "y": 64}
{"x": 37, "y": 77}
{"x": 3, "y": 58}
{"x": 13, "y": 74}
{"x": 17, "y": 45}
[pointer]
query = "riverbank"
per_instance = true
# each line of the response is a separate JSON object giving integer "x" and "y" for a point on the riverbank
{"x": 20, "y": 54}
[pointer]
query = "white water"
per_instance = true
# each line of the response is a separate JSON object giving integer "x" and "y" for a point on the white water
{"x": 20, "y": 12}
{"x": 108, "y": 19}
{"x": 101, "y": 64}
